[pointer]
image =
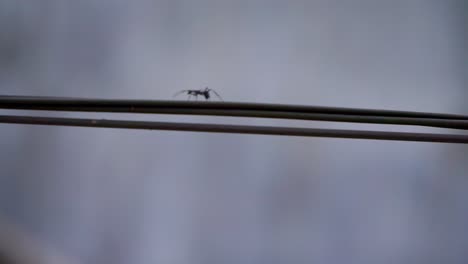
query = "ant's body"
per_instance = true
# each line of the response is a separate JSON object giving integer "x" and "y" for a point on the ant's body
{"x": 205, "y": 92}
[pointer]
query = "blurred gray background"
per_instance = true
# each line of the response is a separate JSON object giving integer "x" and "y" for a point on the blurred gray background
{"x": 126, "y": 196}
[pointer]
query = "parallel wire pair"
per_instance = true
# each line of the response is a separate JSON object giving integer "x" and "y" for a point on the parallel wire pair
{"x": 252, "y": 110}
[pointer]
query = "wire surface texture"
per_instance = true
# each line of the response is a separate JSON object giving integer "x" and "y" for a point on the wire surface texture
{"x": 248, "y": 110}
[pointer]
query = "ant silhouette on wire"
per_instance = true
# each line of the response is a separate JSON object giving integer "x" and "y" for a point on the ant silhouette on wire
{"x": 204, "y": 92}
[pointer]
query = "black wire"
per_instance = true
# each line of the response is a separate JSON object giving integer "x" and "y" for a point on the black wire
{"x": 146, "y": 106}
{"x": 260, "y": 130}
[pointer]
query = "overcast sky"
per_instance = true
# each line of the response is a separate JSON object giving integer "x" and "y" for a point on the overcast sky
{"x": 123, "y": 196}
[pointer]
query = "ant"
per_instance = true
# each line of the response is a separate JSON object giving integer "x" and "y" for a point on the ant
{"x": 205, "y": 92}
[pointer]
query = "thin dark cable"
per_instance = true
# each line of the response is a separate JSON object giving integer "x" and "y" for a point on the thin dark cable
{"x": 260, "y": 130}
{"x": 137, "y": 106}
